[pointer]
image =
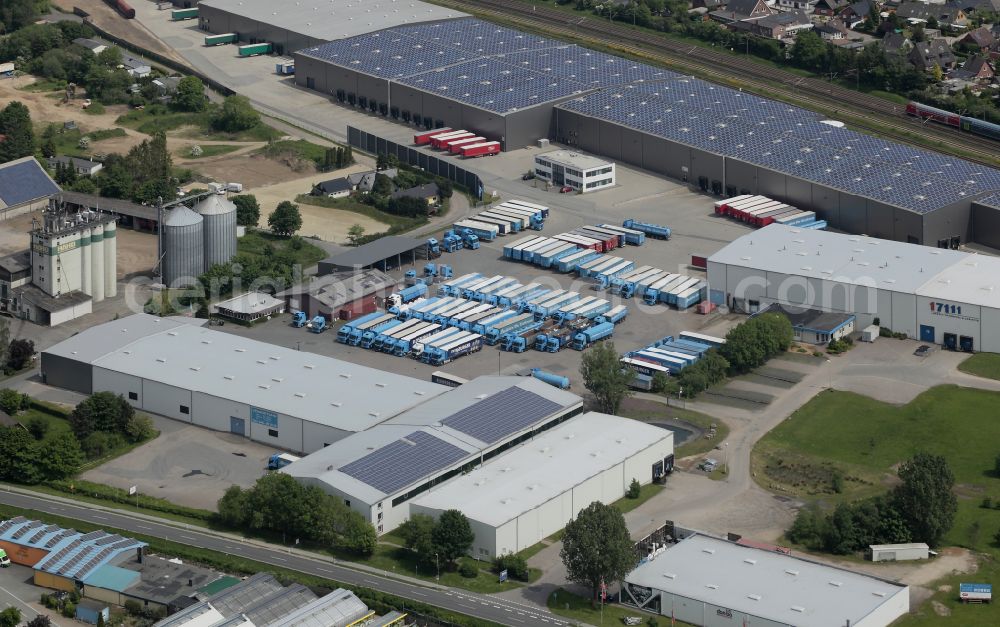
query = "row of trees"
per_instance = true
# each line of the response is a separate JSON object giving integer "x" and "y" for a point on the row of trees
{"x": 920, "y": 509}
{"x": 438, "y": 542}
{"x": 278, "y": 503}
{"x": 336, "y": 158}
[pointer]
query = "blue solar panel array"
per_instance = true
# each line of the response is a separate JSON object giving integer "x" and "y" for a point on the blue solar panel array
{"x": 404, "y": 462}
{"x": 484, "y": 65}
{"x": 502, "y": 414}
{"x": 992, "y": 200}
{"x": 23, "y": 182}
{"x": 790, "y": 140}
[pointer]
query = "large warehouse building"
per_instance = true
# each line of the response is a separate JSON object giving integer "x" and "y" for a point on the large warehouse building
{"x": 531, "y": 492}
{"x": 290, "y": 26}
{"x": 379, "y": 471}
{"x": 716, "y": 583}
{"x": 293, "y": 400}
{"x": 937, "y": 296}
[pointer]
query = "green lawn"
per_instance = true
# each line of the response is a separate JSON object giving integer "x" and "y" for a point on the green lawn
{"x": 211, "y": 150}
{"x": 45, "y": 84}
{"x": 982, "y": 365}
{"x": 260, "y": 244}
{"x": 156, "y": 118}
{"x": 646, "y": 492}
{"x": 299, "y": 148}
{"x": 864, "y": 439}
{"x": 575, "y": 607}
{"x": 398, "y": 224}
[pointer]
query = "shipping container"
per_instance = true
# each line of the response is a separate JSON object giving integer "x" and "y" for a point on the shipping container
{"x": 252, "y": 50}
{"x": 600, "y": 230}
{"x": 609, "y": 242}
{"x": 581, "y": 241}
{"x": 285, "y": 68}
{"x": 424, "y": 137}
{"x": 218, "y": 40}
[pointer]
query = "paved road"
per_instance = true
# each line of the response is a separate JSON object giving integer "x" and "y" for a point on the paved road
{"x": 499, "y": 610}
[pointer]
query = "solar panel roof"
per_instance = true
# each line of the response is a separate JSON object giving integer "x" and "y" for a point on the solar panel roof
{"x": 24, "y": 180}
{"x": 387, "y": 54}
{"x": 502, "y": 414}
{"x": 590, "y": 67}
{"x": 992, "y": 200}
{"x": 404, "y": 461}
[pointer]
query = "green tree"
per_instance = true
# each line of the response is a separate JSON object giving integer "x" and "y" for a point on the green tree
{"x": 382, "y": 185}
{"x": 515, "y": 565}
{"x": 19, "y": 353}
{"x": 355, "y": 233}
{"x": 604, "y": 376}
{"x": 233, "y": 507}
{"x": 235, "y": 115}
{"x": 190, "y": 94}
{"x": 10, "y": 617}
{"x": 84, "y": 185}
{"x": 139, "y": 428}
{"x": 925, "y": 499}
{"x": 42, "y": 620}
{"x": 634, "y": 489}
{"x": 417, "y": 533}
{"x": 60, "y": 456}
{"x": 16, "y": 14}
{"x": 285, "y": 219}
{"x": 102, "y": 411}
{"x": 12, "y": 401}
{"x": 18, "y": 456}
{"x": 452, "y": 535}
{"x": 597, "y": 548}
{"x": 358, "y": 535}
{"x": 110, "y": 57}
{"x": 247, "y": 209}
{"x": 15, "y": 126}
{"x": 809, "y": 51}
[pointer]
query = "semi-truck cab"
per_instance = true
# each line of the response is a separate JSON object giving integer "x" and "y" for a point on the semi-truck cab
{"x": 280, "y": 460}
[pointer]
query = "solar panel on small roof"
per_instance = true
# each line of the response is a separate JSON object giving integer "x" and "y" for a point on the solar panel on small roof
{"x": 24, "y": 181}
{"x": 403, "y": 462}
{"x": 501, "y": 414}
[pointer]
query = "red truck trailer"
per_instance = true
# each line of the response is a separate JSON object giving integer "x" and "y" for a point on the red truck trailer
{"x": 487, "y": 149}
{"x": 424, "y": 137}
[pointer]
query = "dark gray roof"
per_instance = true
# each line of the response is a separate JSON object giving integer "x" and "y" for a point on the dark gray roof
{"x": 334, "y": 185}
{"x": 48, "y": 302}
{"x": 115, "y": 205}
{"x": 89, "y": 44}
{"x": 811, "y": 319}
{"x": 77, "y": 162}
{"x": 373, "y": 252}
{"x": 420, "y": 191}
{"x": 17, "y": 262}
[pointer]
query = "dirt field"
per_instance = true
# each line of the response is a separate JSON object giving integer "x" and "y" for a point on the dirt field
{"x": 46, "y": 109}
{"x": 130, "y": 30}
{"x": 136, "y": 253}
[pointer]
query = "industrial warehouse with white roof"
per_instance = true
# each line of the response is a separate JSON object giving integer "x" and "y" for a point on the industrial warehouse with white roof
{"x": 703, "y": 580}
{"x": 290, "y": 399}
{"x": 379, "y": 471}
{"x": 935, "y": 295}
{"x": 531, "y": 492}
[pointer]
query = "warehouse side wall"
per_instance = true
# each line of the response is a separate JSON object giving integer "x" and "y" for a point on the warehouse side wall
{"x": 986, "y": 225}
{"x": 66, "y": 373}
{"x": 886, "y": 613}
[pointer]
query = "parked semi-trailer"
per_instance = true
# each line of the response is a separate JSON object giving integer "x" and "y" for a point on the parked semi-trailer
{"x": 440, "y": 355}
{"x": 632, "y": 236}
{"x": 485, "y": 149}
{"x": 653, "y": 230}
{"x": 513, "y": 248}
{"x": 424, "y": 137}
{"x": 483, "y": 231}
{"x": 455, "y": 146}
{"x": 515, "y": 325}
{"x": 616, "y": 314}
{"x": 587, "y": 337}
{"x": 177, "y": 15}
{"x": 529, "y": 205}
{"x": 439, "y": 139}
{"x": 570, "y": 262}
{"x": 218, "y": 40}
{"x": 252, "y": 50}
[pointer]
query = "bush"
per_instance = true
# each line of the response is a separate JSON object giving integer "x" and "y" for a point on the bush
{"x": 12, "y": 401}
{"x": 69, "y": 610}
{"x": 633, "y": 489}
{"x": 134, "y": 608}
{"x": 515, "y": 565}
{"x": 100, "y": 443}
{"x": 38, "y": 427}
{"x": 467, "y": 570}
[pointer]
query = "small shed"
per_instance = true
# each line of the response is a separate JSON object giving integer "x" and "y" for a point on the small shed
{"x": 898, "y": 552}
{"x": 870, "y": 333}
{"x": 89, "y": 610}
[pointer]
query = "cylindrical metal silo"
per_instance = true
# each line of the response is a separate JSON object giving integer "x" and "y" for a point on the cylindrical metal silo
{"x": 219, "y": 214}
{"x": 85, "y": 262}
{"x": 183, "y": 247}
{"x": 110, "y": 259}
{"x": 97, "y": 257}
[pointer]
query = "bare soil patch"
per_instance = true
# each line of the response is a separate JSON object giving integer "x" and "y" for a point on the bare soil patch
{"x": 136, "y": 253}
{"x": 46, "y": 109}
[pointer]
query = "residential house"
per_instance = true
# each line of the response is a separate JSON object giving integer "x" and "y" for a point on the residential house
{"x": 949, "y": 14}
{"x": 737, "y": 10}
{"x": 710, "y": 5}
{"x": 927, "y": 54}
{"x": 137, "y": 68}
{"x": 979, "y": 6}
{"x": 365, "y": 181}
{"x": 855, "y": 14}
{"x": 829, "y": 7}
{"x": 83, "y": 167}
{"x": 807, "y": 6}
{"x": 428, "y": 192}
{"x": 981, "y": 38}
{"x": 976, "y": 69}
{"x": 829, "y": 32}
{"x": 90, "y": 44}
{"x": 334, "y": 188}
{"x": 776, "y": 26}
{"x": 896, "y": 44}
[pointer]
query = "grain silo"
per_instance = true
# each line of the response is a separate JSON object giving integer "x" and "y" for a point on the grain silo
{"x": 219, "y": 214}
{"x": 97, "y": 262}
{"x": 110, "y": 259}
{"x": 183, "y": 247}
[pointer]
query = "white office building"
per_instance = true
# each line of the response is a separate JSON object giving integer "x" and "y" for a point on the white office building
{"x": 581, "y": 172}
{"x": 532, "y": 491}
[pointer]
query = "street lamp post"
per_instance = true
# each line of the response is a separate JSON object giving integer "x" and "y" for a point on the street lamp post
{"x": 437, "y": 566}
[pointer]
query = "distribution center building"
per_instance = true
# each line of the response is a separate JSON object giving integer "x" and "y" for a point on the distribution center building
{"x": 937, "y": 296}
{"x": 703, "y": 580}
{"x": 290, "y": 399}
{"x": 379, "y": 471}
{"x": 532, "y": 491}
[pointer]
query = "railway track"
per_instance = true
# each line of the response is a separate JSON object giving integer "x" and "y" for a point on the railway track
{"x": 865, "y": 111}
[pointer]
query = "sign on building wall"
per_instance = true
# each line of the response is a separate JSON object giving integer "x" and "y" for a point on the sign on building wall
{"x": 264, "y": 417}
{"x": 951, "y": 310}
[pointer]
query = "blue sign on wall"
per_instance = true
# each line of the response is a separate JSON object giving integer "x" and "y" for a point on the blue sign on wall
{"x": 264, "y": 417}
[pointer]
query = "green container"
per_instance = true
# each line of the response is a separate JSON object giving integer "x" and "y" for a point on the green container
{"x": 184, "y": 14}
{"x": 217, "y": 40}
{"x": 251, "y": 50}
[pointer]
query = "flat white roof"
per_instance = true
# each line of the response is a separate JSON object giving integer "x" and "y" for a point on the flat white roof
{"x": 296, "y": 383}
{"x": 974, "y": 279}
{"x": 890, "y": 547}
{"x": 574, "y": 159}
{"x": 763, "y": 583}
{"x": 854, "y": 259}
{"x": 251, "y": 302}
{"x": 541, "y": 469}
{"x": 335, "y": 19}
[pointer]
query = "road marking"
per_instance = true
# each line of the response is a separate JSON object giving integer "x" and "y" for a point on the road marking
{"x": 144, "y": 527}
{"x": 325, "y": 570}
{"x": 188, "y": 537}
{"x": 419, "y": 594}
{"x": 280, "y": 559}
{"x": 99, "y": 517}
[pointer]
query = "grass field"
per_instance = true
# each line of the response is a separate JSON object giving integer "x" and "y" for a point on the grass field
{"x": 865, "y": 439}
{"x": 398, "y": 224}
{"x": 257, "y": 243}
{"x": 982, "y": 365}
{"x": 646, "y": 492}
{"x": 156, "y": 118}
